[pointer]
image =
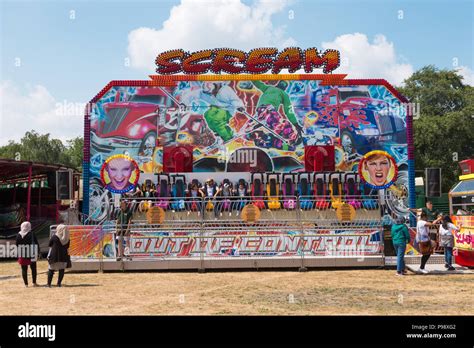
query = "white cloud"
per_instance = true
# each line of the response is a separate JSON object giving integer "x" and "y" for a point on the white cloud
{"x": 467, "y": 74}
{"x": 224, "y": 23}
{"x": 362, "y": 59}
{"x": 34, "y": 108}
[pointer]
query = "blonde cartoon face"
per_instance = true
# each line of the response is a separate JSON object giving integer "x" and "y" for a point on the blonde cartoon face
{"x": 378, "y": 167}
{"x": 120, "y": 171}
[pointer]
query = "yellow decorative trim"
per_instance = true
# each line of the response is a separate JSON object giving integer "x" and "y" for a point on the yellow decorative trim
{"x": 456, "y": 194}
{"x": 376, "y": 152}
{"x": 466, "y": 177}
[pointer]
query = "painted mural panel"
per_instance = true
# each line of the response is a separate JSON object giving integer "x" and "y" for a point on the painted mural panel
{"x": 276, "y": 118}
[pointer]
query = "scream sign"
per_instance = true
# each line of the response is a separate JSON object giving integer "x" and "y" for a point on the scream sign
{"x": 257, "y": 61}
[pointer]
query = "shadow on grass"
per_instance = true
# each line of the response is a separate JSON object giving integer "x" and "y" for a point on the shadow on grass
{"x": 78, "y": 285}
{"x": 69, "y": 285}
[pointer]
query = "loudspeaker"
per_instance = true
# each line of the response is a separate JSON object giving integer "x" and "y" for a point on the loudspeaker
{"x": 64, "y": 184}
{"x": 319, "y": 158}
{"x": 433, "y": 182}
{"x": 178, "y": 159}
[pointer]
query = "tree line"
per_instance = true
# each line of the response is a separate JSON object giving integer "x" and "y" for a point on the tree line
{"x": 42, "y": 148}
{"x": 444, "y": 130}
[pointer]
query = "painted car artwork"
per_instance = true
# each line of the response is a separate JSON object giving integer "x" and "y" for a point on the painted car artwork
{"x": 276, "y": 117}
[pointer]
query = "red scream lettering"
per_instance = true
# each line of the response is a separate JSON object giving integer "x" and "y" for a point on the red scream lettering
{"x": 165, "y": 64}
{"x": 260, "y": 60}
{"x": 329, "y": 60}
{"x": 226, "y": 60}
{"x": 191, "y": 66}
{"x": 289, "y": 58}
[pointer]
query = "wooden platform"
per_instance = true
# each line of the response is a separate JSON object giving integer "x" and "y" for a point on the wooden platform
{"x": 435, "y": 264}
{"x": 294, "y": 262}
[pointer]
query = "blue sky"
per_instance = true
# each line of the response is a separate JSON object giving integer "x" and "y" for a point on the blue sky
{"x": 64, "y": 59}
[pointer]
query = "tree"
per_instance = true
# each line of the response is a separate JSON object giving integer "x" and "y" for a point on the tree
{"x": 444, "y": 132}
{"x": 75, "y": 151}
{"x": 40, "y": 148}
{"x": 437, "y": 91}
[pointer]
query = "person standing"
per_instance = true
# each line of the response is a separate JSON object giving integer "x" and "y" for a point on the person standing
{"x": 124, "y": 219}
{"x": 400, "y": 239}
{"x": 424, "y": 241}
{"x": 431, "y": 213}
{"x": 58, "y": 257}
{"x": 28, "y": 251}
{"x": 446, "y": 231}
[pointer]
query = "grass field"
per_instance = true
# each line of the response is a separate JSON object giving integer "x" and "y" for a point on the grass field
{"x": 319, "y": 292}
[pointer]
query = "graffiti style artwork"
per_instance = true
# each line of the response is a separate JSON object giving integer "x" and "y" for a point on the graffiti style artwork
{"x": 464, "y": 240}
{"x": 249, "y": 244}
{"x": 278, "y": 117}
{"x": 275, "y": 118}
{"x": 91, "y": 242}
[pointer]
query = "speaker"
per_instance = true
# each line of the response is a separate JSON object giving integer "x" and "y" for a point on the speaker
{"x": 467, "y": 166}
{"x": 433, "y": 182}
{"x": 63, "y": 184}
{"x": 178, "y": 159}
{"x": 318, "y": 158}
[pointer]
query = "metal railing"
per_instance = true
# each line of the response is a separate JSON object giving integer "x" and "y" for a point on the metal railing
{"x": 228, "y": 208}
{"x": 290, "y": 226}
{"x": 300, "y": 228}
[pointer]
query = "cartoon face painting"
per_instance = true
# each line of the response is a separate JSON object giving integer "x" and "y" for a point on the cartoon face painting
{"x": 378, "y": 169}
{"x": 120, "y": 173}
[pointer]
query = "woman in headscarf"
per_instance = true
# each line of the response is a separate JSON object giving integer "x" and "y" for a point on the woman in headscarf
{"x": 28, "y": 251}
{"x": 58, "y": 256}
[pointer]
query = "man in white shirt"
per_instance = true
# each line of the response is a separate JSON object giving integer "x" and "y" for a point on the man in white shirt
{"x": 423, "y": 236}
